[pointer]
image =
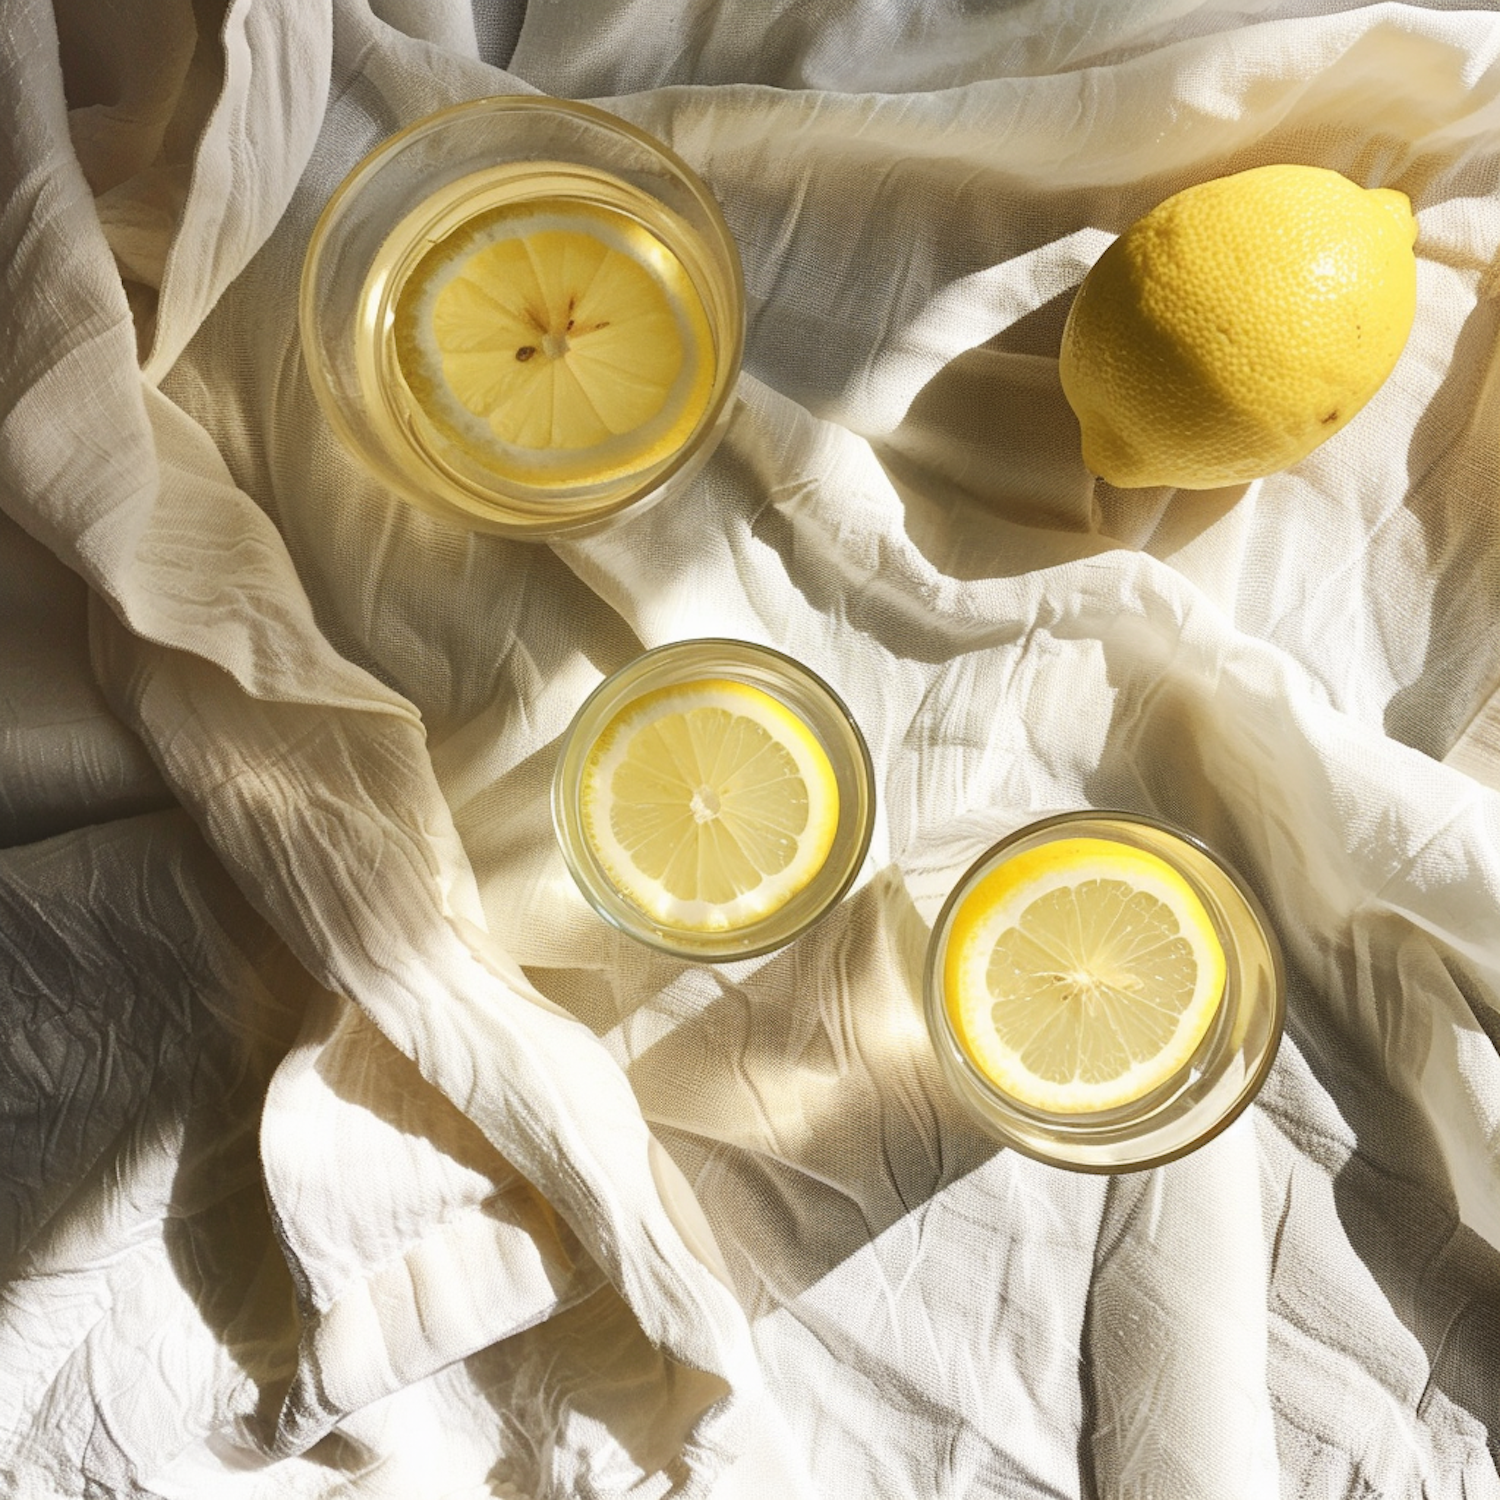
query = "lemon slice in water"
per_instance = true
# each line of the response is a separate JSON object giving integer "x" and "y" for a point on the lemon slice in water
{"x": 555, "y": 343}
{"x": 709, "y": 804}
{"x": 1083, "y": 974}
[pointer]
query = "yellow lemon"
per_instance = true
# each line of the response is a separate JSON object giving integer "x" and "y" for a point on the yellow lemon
{"x": 555, "y": 343}
{"x": 1238, "y": 325}
{"x": 709, "y": 804}
{"x": 1083, "y": 974}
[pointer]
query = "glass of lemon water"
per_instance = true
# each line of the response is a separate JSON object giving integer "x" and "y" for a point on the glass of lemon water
{"x": 713, "y": 799}
{"x": 524, "y": 314}
{"x": 1103, "y": 992}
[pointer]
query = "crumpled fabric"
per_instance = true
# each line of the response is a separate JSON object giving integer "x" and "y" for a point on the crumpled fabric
{"x": 346, "y": 1153}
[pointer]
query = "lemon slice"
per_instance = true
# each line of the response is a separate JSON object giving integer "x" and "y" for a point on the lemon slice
{"x": 555, "y": 343}
{"x": 709, "y": 804}
{"x": 1082, "y": 974}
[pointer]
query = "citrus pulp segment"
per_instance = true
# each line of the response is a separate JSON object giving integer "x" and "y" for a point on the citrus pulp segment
{"x": 1082, "y": 974}
{"x": 555, "y": 343}
{"x": 709, "y": 804}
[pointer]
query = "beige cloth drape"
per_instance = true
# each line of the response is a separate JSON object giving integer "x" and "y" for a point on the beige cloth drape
{"x": 345, "y": 1153}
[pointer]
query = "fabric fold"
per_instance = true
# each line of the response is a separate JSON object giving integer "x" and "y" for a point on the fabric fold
{"x": 354, "y": 1157}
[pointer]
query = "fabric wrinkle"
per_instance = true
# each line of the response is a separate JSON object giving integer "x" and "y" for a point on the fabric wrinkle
{"x": 345, "y": 1153}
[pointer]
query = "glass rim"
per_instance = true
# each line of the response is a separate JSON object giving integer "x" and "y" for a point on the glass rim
{"x": 593, "y": 881}
{"x": 952, "y": 1054}
{"x": 486, "y": 508}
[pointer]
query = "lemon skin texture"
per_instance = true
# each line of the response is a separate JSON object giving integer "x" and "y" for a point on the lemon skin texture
{"x": 1238, "y": 325}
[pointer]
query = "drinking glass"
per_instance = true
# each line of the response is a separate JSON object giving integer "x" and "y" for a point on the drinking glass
{"x": 570, "y": 165}
{"x": 1220, "y": 1078}
{"x": 798, "y": 690}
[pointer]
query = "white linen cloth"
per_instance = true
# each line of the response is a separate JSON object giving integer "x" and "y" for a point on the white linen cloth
{"x": 346, "y": 1153}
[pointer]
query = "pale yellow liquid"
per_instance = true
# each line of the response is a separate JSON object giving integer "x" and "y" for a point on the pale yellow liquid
{"x": 530, "y": 485}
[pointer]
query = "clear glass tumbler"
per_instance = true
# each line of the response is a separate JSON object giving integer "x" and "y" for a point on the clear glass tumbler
{"x": 1219, "y": 1079}
{"x": 799, "y": 692}
{"x": 558, "y": 167}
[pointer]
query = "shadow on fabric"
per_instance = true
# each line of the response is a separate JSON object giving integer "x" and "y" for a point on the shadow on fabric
{"x": 1451, "y": 472}
{"x": 809, "y": 1128}
{"x": 1170, "y": 754}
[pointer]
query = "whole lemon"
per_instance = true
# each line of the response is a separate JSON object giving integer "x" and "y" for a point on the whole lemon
{"x": 1239, "y": 324}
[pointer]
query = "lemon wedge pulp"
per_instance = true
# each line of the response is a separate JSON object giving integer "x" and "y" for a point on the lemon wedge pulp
{"x": 554, "y": 343}
{"x": 709, "y": 804}
{"x": 1082, "y": 974}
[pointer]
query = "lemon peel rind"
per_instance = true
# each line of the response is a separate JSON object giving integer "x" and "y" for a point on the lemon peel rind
{"x": 1197, "y": 430}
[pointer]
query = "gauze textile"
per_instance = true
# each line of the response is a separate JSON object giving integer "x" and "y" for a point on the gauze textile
{"x": 347, "y": 1153}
